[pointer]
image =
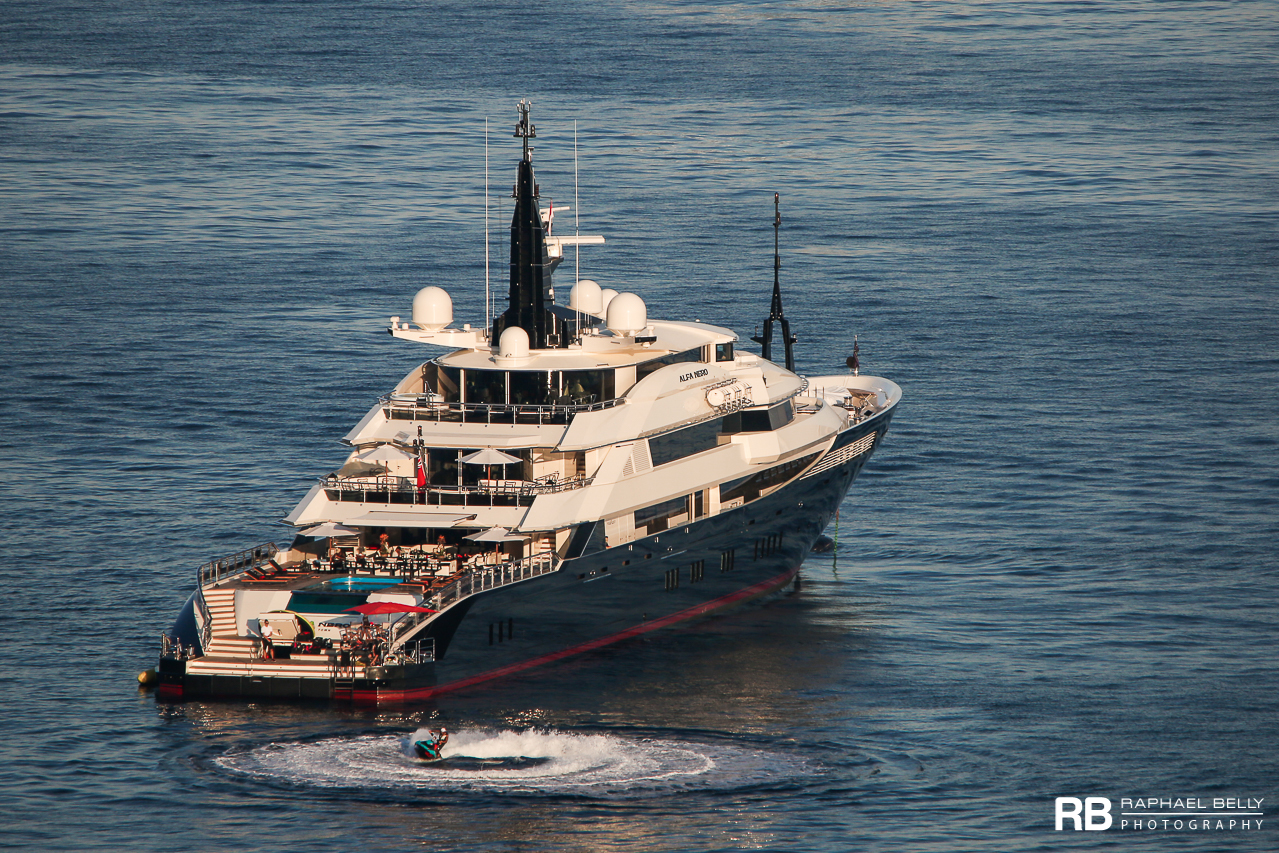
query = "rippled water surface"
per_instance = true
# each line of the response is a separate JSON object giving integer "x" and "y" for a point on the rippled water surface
{"x": 1054, "y": 224}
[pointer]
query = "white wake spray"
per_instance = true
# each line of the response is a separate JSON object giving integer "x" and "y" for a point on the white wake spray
{"x": 527, "y": 761}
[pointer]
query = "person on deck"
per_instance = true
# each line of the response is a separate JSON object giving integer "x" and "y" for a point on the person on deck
{"x": 268, "y": 650}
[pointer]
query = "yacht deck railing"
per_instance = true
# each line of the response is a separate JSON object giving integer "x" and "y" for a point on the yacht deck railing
{"x": 426, "y": 407}
{"x": 238, "y": 563}
{"x": 402, "y": 490}
{"x": 475, "y": 581}
{"x": 858, "y": 404}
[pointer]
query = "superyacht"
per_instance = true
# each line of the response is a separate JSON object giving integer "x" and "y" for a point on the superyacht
{"x": 562, "y": 478}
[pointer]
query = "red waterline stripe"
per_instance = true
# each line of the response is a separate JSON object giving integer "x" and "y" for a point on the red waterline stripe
{"x": 510, "y": 669}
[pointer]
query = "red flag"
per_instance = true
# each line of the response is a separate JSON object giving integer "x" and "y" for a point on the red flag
{"x": 421, "y": 474}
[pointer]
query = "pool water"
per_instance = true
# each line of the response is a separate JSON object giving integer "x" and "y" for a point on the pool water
{"x": 355, "y": 584}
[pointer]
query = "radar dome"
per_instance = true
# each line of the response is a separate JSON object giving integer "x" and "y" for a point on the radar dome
{"x": 513, "y": 343}
{"x": 627, "y": 314}
{"x": 606, "y": 296}
{"x": 586, "y": 297}
{"x": 432, "y": 309}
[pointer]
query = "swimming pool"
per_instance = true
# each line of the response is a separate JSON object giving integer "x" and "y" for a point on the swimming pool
{"x": 354, "y": 584}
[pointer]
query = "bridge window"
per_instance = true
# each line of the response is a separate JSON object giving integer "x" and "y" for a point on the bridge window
{"x": 760, "y": 420}
{"x": 486, "y": 386}
{"x": 533, "y": 387}
{"x": 447, "y": 382}
{"x": 519, "y": 387}
{"x": 587, "y": 386}
{"x": 656, "y": 364}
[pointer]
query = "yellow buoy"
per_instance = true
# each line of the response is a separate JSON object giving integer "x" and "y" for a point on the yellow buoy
{"x": 148, "y": 676}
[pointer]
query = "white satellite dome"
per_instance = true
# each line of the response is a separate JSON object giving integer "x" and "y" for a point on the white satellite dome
{"x": 513, "y": 344}
{"x": 606, "y": 296}
{"x": 586, "y": 297}
{"x": 627, "y": 314}
{"x": 432, "y": 309}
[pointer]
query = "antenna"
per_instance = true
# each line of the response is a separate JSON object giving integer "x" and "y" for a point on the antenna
{"x": 775, "y": 312}
{"x": 487, "y": 304}
{"x": 525, "y": 129}
{"x": 577, "y": 230}
{"x": 530, "y": 268}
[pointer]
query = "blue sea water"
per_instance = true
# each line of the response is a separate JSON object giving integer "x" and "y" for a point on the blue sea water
{"x": 1054, "y": 224}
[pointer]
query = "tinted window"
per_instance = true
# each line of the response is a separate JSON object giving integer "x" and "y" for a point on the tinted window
{"x": 724, "y": 352}
{"x": 781, "y": 414}
{"x": 749, "y": 488}
{"x": 530, "y": 387}
{"x": 442, "y": 466}
{"x": 448, "y": 383}
{"x": 674, "y": 358}
{"x": 588, "y": 386}
{"x": 665, "y": 509}
{"x": 760, "y": 420}
{"x": 486, "y": 386}
{"x": 684, "y": 442}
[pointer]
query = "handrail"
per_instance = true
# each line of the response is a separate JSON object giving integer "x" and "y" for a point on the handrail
{"x": 215, "y": 571}
{"x": 474, "y": 581}
{"x": 431, "y": 408}
{"x": 206, "y": 621}
{"x": 171, "y": 648}
{"x": 404, "y": 485}
{"x": 421, "y": 650}
{"x": 858, "y": 404}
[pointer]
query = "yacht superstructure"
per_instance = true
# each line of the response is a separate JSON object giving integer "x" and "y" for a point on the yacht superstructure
{"x": 564, "y": 478}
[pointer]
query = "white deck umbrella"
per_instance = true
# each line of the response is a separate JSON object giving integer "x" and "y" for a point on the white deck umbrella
{"x": 328, "y": 530}
{"x": 489, "y": 456}
{"x": 385, "y": 454}
{"x": 496, "y": 534}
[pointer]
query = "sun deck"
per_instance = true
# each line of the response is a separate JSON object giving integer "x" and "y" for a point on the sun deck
{"x": 312, "y": 605}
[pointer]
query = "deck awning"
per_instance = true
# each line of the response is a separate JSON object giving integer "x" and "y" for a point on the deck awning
{"x": 407, "y": 519}
{"x": 497, "y": 534}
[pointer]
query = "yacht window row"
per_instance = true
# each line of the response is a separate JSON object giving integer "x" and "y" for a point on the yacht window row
{"x": 518, "y": 387}
{"x": 548, "y": 387}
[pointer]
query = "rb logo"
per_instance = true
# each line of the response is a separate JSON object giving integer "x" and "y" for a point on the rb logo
{"x": 1093, "y": 813}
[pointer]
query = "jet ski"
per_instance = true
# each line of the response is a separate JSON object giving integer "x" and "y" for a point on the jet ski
{"x": 428, "y": 748}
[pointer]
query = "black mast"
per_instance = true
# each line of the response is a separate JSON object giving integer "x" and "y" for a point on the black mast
{"x": 530, "y": 263}
{"x": 775, "y": 313}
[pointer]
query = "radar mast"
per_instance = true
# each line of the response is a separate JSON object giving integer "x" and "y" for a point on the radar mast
{"x": 775, "y": 312}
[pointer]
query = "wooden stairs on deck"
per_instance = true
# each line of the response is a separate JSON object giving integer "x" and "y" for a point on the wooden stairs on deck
{"x": 225, "y": 641}
{"x": 231, "y": 654}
